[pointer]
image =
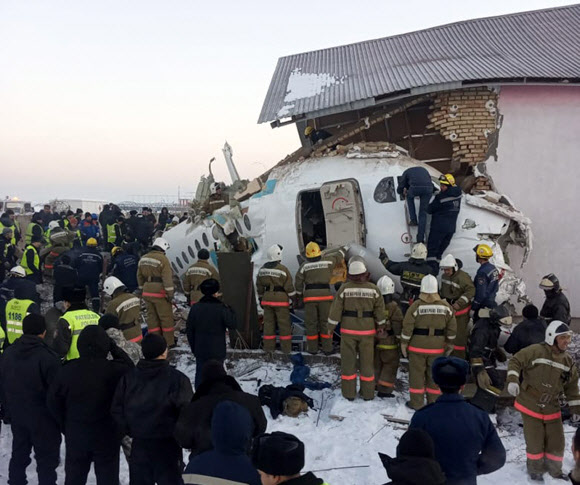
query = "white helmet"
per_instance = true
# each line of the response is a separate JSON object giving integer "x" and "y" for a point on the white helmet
{"x": 53, "y": 225}
{"x": 429, "y": 284}
{"x": 386, "y": 285}
{"x": 275, "y": 253}
{"x": 419, "y": 251}
{"x": 213, "y": 188}
{"x": 161, "y": 244}
{"x": 448, "y": 261}
{"x": 357, "y": 267}
{"x": 112, "y": 284}
{"x": 18, "y": 271}
{"x": 175, "y": 219}
{"x": 556, "y": 328}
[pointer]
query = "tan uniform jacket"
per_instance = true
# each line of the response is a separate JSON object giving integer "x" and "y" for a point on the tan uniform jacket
{"x": 429, "y": 325}
{"x": 359, "y": 307}
{"x": 154, "y": 275}
{"x": 313, "y": 277}
{"x": 215, "y": 202}
{"x": 126, "y": 307}
{"x": 274, "y": 284}
{"x": 52, "y": 254}
{"x": 195, "y": 275}
{"x": 458, "y": 288}
{"x": 545, "y": 374}
{"x": 394, "y": 318}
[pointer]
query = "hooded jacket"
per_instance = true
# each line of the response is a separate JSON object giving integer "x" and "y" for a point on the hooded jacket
{"x": 556, "y": 307}
{"x": 412, "y": 470}
{"x": 530, "y": 331}
{"x": 231, "y": 432}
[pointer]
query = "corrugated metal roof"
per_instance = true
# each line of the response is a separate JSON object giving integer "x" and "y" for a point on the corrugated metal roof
{"x": 542, "y": 44}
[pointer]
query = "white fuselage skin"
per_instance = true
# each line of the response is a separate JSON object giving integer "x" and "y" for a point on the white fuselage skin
{"x": 272, "y": 217}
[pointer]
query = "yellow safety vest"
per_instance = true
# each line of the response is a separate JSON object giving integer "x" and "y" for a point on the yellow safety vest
{"x": 77, "y": 320}
{"x": 24, "y": 261}
{"x": 111, "y": 233}
{"x": 13, "y": 240}
{"x": 16, "y": 310}
{"x": 29, "y": 230}
{"x": 2, "y": 339}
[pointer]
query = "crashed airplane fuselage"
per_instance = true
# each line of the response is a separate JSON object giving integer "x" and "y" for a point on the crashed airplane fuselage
{"x": 351, "y": 198}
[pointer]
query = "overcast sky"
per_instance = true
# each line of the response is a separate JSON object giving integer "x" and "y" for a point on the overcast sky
{"x": 107, "y": 99}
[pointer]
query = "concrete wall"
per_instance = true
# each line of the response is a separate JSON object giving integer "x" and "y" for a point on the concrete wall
{"x": 538, "y": 167}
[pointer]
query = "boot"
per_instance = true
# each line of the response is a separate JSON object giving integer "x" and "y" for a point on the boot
{"x": 385, "y": 395}
{"x": 537, "y": 477}
{"x": 560, "y": 476}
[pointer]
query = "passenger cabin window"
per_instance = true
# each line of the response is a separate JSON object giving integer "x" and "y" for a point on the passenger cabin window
{"x": 385, "y": 191}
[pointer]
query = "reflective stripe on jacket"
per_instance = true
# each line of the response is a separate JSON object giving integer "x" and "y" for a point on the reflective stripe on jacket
{"x": 77, "y": 320}
{"x": 16, "y": 310}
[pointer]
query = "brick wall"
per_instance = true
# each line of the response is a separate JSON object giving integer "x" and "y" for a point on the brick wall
{"x": 469, "y": 119}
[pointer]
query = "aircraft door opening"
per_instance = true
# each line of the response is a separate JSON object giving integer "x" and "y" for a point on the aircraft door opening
{"x": 310, "y": 216}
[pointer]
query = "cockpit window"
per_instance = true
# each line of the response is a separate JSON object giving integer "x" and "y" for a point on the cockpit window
{"x": 385, "y": 191}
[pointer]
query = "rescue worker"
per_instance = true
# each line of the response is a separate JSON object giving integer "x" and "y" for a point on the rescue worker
{"x": 388, "y": 337}
{"x": 360, "y": 309}
{"x": 458, "y": 290}
{"x": 76, "y": 236}
{"x": 7, "y": 252}
{"x": 76, "y": 317}
{"x": 216, "y": 199}
{"x": 484, "y": 348}
{"x": 31, "y": 260}
{"x": 546, "y": 370}
{"x": 65, "y": 276}
{"x": 16, "y": 310}
{"x": 89, "y": 229}
{"x": 155, "y": 279}
{"x": 275, "y": 288}
{"x": 316, "y": 136}
{"x": 34, "y": 228}
{"x": 8, "y": 220}
{"x": 17, "y": 279}
{"x": 114, "y": 235}
{"x": 89, "y": 266}
{"x": 444, "y": 210}
{"x": 313, "y": 286}
{"x": 532, "y": 330}
{"x": 126, "y": 307}
{"x": 486, "y": 280}
{"x": 59, "y": 244}
{"x": 123, "y": 266}
{"x": 416, "y": 182}
{"x": 429, "y": 331}
{"x": 196, "y": 274}
{"x": 411, "y": 272}
{"x": 556, "y": 305}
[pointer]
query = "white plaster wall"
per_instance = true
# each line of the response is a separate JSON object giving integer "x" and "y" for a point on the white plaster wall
{"x": 538, "y": 167}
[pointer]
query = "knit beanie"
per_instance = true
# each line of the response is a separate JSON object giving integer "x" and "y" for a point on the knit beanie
{"x": 93, "y": 342}
{"x": 153, "y": 346}
{"x": 278, "y": 453}
{"x": 530, "y": 312}
{"x": 74, "y": 295}
{"x": 449, "y": 372}
{"x": 108, "y": 320}
{"x": 416, "y": 442}
{"x": 209, "y": 287}
{"x": 33, "y": 324}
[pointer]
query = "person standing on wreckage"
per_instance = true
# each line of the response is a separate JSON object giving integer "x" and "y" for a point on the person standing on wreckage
{"x": 360, "y": 308}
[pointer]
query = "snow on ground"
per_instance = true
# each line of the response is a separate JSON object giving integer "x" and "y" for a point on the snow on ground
{"x": 353, "y": 442}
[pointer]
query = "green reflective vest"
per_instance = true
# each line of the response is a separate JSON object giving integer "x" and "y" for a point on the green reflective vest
{"x": 16, "y": 310}
{"x": 111, "y": 233}
{"x": 29, "y": 232}
{"x": 13, "y": 240}
{"x": 24, "y": 262}
{"x": 77, "y": 320}
{"x": 2, "y": 339}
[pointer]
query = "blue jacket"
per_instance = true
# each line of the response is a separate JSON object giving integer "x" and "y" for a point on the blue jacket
{"x": 466, "y": 442}
{"x": 486, "y": 285}
{"x": 444, "y": 209}
{"x": 414, "y": 177}
{"x": 89, "y": 230}
{"x": 89, "y": 265}
{"x": 125, "y": 268}
{"x": 231, "y": 430}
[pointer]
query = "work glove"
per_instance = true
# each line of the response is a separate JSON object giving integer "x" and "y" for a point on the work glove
{"x": 404, "y": 346}
{"x": 448, "y": 349}
{"x": 514, "y": 390}
{"x": 500, "y": 355}
{"x": 483, "y": 380}
{"x": 383, "y": 256}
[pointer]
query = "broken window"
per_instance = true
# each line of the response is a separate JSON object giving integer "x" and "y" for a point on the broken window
{"x": 385, "y": 191}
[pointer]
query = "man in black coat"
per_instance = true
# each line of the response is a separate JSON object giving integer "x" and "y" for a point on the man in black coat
{"x": 193, "y": 430}
{"x": 146, "y": 406}
{"x": 466, "y": 442}
{"x": 89, "y": 266}
{"x": 206, "y": 327}
{"x": 80, "y": 399}
{"x": 532, "y": 330}
{"x": 556, "y": 306}
{"x": 29, "y": 367}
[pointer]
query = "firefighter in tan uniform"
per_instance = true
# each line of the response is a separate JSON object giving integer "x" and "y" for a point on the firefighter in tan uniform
{"x": 275, "y": 288}
{"x": 313, "y": 285}
{"x": 458, "y": 290}
{"x": 546, "y": 370}
{"x": 59, "y": 244}
{"x": 126, "y": 307}
{"x": 359, "y": 308}
{"x": 429, "y": 330}
{"x": 196, "y": 274}
{"x": 155, "y": 279}
{"x": 387, "y": 347}
{"x": 216, "y": 199}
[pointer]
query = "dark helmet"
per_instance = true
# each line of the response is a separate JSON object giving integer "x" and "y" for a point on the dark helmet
{"x": 500, "y": 314}
{"x": 550, "y": 282}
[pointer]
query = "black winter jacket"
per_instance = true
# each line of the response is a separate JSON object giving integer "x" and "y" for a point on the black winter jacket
{"x": 556, "y": 307}
{"x": 80, "y": 397}
{"x": 483, "y": 341}
{"x": 206, "y": 327}
{"x": 412, "y": 470}
{"x": 89, "y": 265}
{"x": 411, "y": 273}
{"x": 524, "y": 334}
{"x": 149, "y": 398}
{"x": 124, "y": 267}
{"x": 306, "y": 479}
{"x": 29, "y": 367}
{"x": 193, "y": 430}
